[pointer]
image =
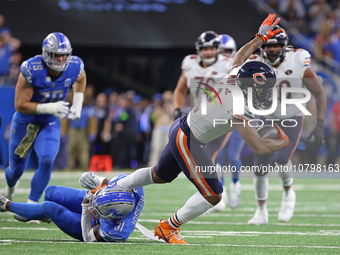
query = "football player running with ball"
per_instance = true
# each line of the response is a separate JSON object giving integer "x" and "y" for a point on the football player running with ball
{"x": 185, "y": 150}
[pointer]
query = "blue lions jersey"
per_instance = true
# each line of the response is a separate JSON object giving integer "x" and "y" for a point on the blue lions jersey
{"x": 120, "y": 230}
{"x": 47, "y": 90}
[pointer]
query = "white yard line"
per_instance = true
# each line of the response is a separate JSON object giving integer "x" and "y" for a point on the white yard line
{"x": 9, "y": 241}
{"x": 42, "y": 229}
{"x": 245, "y": 223}
{"x": 240, "y": 215}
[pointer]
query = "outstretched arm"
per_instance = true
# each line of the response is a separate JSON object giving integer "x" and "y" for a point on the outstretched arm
{"x": 265, "y": 32}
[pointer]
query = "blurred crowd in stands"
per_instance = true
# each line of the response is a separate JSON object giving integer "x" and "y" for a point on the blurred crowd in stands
{"x": 314, "y": 25}
{"x": 10, "y": 57}
{"x": 117, "y": 124}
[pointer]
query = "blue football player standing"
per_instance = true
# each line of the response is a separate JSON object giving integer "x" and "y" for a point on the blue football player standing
{"x": 108, "y": 213}
{"x": 43, "y": 83}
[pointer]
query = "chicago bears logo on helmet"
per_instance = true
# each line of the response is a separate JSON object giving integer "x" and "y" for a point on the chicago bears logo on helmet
{"x": 260, "y": 75}
{"x": 261, "y": 78}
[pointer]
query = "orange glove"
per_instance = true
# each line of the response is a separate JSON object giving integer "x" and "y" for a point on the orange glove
{"x": 266, "y": 29}
{"x": 98, "y": 187}
{"x": 282, "y": 135}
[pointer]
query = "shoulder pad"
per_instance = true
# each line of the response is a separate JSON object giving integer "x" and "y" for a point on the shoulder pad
{"x": 303, "y": 57}
{"x": 32, "y": 67}
{"x": 188, "y": 61}
{"x": 25, "y": 70}
{"x": 77, "y": 61}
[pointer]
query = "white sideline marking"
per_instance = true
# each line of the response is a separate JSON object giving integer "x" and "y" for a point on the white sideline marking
{"x": 198, "y": 223}
{"x": 257, "y": 233}
{"x": 42, "y": 229}
{"x": 245, "y": 223}
{"x": 218, "y": 245}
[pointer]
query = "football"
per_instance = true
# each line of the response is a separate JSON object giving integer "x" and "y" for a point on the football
{"x": 268, "y": 131}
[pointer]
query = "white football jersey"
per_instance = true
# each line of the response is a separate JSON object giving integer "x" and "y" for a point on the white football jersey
{"x": 208, "y": 127}
{"x": 196, "y": 74}
{"x": 289, "y": 74}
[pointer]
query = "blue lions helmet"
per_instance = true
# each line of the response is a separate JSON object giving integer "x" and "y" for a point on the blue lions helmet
{"x": 261, "y": 77}
{"x": 207, "y": 39}
{"x": 112, "y": 202}
{"x": 227, "y": 43}
{"x": 56, "y": 43}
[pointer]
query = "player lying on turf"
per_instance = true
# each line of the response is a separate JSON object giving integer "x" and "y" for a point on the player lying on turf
{"x": 185, "y": 150}
{"x": 108, "y": 213}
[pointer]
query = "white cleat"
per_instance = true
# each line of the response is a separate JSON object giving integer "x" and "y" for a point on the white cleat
{"x": 221, "y": 205}
{"x": 235, "y": 195}
{"x": 3, "y": 202}
{"x": 260, "y": 217}
{"x": 287, "y": 206}
{"x": 23, "y": 219}
{"x": 10, "y": 191}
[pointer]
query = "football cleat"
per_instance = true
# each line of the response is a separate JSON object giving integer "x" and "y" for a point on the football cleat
{"x": 260, "y": 217}
{"x": 287, "y": 206}
{"x": 10, "y": 191}
{"x": 3, "y": 202}
{"x": 235, "y": 195}
{"x": 220, "y": 207}
{"x": 23, "y": 219}
{"x": 169, "y": 234}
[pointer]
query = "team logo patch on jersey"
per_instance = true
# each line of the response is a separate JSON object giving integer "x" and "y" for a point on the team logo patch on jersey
{"x": 289, "y": 72}
{"x": 67, "y": 82}
{"x": 213, "y": 73}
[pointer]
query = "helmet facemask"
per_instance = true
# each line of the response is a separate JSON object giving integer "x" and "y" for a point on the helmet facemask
{"x": 56, "y": 44}
{"x": 208, "y": 61}
{"x": 262, "y": 98}
{"x": 49, "y": 58}
{"x": 279, "y": 39}
{"x": 259, "y": 79}
{"x": 274, "y": 56}
{"x": 205, "y": 40}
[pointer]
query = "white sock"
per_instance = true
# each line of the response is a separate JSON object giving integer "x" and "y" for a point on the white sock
{"x": 139, "y": 178}
{"x": 195, "y": 206}
{"x": 262, "y": 205}
{"x": 261, "y": 188}
{"x": 29, "y": 201}
{"x": 286, "y": 175}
